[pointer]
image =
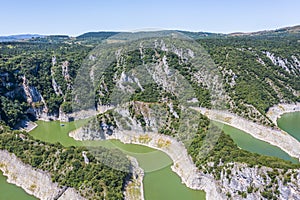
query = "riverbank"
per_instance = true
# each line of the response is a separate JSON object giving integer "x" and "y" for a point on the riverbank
{"x": 273, "y": 136}
{"x": 239, "y": 179}
{"x": 26, "y": 125}
{"x": 183, "y": 165}
{"x": 134, "y": 188}
{"x": 35, "y": 182}
{"x": 276, "y": 111}
{"x": 79, "y": 115}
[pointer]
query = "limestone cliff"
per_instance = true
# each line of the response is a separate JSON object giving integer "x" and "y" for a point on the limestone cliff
{"x": 35, "y": 182}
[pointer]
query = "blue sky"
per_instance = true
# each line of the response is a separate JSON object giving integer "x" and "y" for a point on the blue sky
{"x": 74, "y": 17}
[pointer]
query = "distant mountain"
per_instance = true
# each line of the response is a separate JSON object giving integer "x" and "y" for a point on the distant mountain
{"x": 19, "y": 37}
{"x": 104, "y": 35}
{"x": 197, "y": 35}
{"x": 52, "y": 39}
{"x": 99, "y": 35}
{"x": 293, "y": 30}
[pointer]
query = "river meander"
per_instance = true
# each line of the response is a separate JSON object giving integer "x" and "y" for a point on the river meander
{"x": 160, "y": 182}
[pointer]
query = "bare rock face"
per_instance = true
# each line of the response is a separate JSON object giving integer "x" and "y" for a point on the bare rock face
{"x": 134, "y": 188}
{"x": 242, "y": 182}
{"x": 35, "y": 182}
{"x": 70, "y": 193}
{"x": 291, "y": 65}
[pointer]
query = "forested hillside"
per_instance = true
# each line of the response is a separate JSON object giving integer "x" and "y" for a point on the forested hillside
{"x": 67, "y": 166}
{"x": 37, "y": 81}
{"x": 37, "y": 75}
{"x": 36, "y": 78}
{"x": 258, "y": 72}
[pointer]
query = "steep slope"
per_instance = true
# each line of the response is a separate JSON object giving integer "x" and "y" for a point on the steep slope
{"x": 257, "y": 73}
{"x": 147, "y": 111}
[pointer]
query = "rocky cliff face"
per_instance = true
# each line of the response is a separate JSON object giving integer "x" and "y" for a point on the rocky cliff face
{"x": 238, "y": 181}
{"x": 35, "y": 182}
{"x": 291, "y": 65}
{"x": 38, "y": 107}
{"x": 134, "y": 187}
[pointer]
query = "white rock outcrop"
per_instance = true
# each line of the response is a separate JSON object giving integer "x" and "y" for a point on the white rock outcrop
{"x": 182, "y": 162}
{"x": 35, "y": 182}
{"x": 273, "y": 136}
{"x": 134, "y": 188}
{"x": 276, "y": 111}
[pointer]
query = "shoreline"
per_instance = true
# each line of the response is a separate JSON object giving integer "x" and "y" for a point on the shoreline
{"x": 182, "y": 165}
{"x": 276, "y": 137}
{"x": 34, "y": 182}
{"x": 134, "y": 189}
{"x": 275, "y": 112}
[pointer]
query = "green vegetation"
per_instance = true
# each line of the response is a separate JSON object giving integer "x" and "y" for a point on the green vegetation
{"x": 250, "y": 77}
{"x": 35, "y": 61}
{"x": 251, "y": 81}
{"x": 151, "y": 93}
{"x": 226, "y": 151}
{"x": 67, "y": 167}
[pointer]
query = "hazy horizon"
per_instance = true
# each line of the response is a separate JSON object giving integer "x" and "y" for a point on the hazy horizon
{"x": 146, "y": 29}
{"x": 77, "y": 17}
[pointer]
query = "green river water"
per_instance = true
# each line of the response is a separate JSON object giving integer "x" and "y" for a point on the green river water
{"x": 249, "y": 143}
{"x": 160, "y": 182}
{"x": 12, "y": 192}
{"x": 290, "y": 122}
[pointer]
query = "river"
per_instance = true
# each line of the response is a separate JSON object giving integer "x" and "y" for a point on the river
{"x": 9, "y": 191}
{"x": 160, "y": 182}
{"x": 290, "y": 122}
{"x": 247, "y": 142}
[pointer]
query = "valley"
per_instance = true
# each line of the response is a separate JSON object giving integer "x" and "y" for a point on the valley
{"x": 152, "y": 115}
{"x": 53, "y": 132}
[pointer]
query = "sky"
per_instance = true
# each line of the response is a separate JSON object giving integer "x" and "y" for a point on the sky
{"x": 74, "y": 17}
